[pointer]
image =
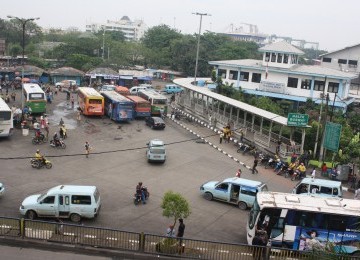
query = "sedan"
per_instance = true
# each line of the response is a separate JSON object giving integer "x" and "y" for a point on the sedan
{"x": 155, "y": 122}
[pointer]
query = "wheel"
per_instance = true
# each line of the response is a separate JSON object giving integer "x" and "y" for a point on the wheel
{"x": 238, "y": 150}
{"x": 63, "y": 145}
{"x": 286, "y": 174}
{"x": 48, "y": 165}
{"x": 292, "y": 178}
{"x": 31, "y": 214}
{"x": 208, "y": 196}
{"x": 152, "y": 126}
{"x": 34, "y": 141}
{"x": 75, "y": 217}
{"x": 35, "y": 164}
{"x": 242, "y": 205}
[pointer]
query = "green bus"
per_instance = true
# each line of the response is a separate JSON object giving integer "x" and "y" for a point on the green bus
{"x": 34, "y": 98}
{"x": 157, "y": 101}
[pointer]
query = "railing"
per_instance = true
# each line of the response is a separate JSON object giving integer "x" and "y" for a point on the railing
{"x": 144, "y": 243}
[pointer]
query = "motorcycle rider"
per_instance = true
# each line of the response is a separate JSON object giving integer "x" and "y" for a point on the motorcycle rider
{"x": 39, "y": 157}
{"x": 56, "y": 139}
{"x": 62, "y": 131}
{"x": 301, "y": 170}
{"x": 140, "y": 192}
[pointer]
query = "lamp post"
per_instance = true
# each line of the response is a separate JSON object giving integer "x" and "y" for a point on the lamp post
{"x": 198, "y": 43}
{"x": 103, "y": 44}
{"x": 23, "y": 22}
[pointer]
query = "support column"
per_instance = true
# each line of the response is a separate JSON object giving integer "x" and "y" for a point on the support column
{"x": 261, "y": 124}
{"x": 237, "y": 116}
{"x": 252, "y": 122}
{"x": 302, "y": 140}
{"x": 238, "y": 79}
{"x": 245, "y": 116}
{"x": 270, "y": 129}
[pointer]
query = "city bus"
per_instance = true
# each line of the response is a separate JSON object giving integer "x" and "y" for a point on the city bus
{"x": 6, "y": 119}
{"x": 306, "y": 222}
{"x": 34, "y": 97}
{"x": 118, "y": 107}
{"x": 90, "y": 101}
{"x": 142, "y": 107}
{"x": 157, "y": 101}
{"x": 122, "y": 90}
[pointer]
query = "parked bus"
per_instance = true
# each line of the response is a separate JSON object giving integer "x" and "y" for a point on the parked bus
{"x": 34, "y": 97}
{"x": 157, "y": 101}
{"x": 90, "y": 101}
{"x": 122, "y": 90}
{"x": 118, "y": 107}
{"x": 142, "y": 107}
{"x": 305, "y": 222}
{"x": 6, "y": 119}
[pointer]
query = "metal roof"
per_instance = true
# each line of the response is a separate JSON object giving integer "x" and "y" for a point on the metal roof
{"x": 343, "y": 49}
{"x": 116, "y": 97}
{"x": 282, "y": 47}
{"x": 186, "y": 83}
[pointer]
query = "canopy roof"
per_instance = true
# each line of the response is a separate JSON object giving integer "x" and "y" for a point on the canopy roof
{"x": 102, "y": 71}
{"x": 67, "y": 71}
{"x": 30, "y": 70}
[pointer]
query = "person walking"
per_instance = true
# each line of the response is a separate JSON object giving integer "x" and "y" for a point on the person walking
{"x": 87, "y": 149}
{"x": 181, "y": 230}
{"x": 79, "y": 116}
{"x": 72, "y": 102}
{"x": 256, "y": 161}
{"x": 170, "y": 232}
{"x": 241, "y": 135}
{"x": 221, "y": 136}
{"x": 238, "y": 173}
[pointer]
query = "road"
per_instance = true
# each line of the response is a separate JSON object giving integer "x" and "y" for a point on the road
{"x": 116, "y": 174}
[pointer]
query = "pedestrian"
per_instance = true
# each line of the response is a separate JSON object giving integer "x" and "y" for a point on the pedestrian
{"x": 229, "y": 134}
{"x": 13, "y": 96}
{"x": 221, "y": 136}
{"x": 238, "y": 173}
{"x": 72, "y": 102}
{"x": 256, "y": 161}
{"x": 313, "y": 173}
{"x": 181, "y": 230}
{"x": 357, "y": 194}
{"x": 42, "y": 122}
{"x": 78, "y": 116}
{"x": 323, "y": 169}
{"x": 87, "y": 149}
{"x": 241, "y": 135}
{"x": 170, "y": 231}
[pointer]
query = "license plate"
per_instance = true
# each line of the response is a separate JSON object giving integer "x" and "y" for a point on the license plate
{"x": 156, "y": 156}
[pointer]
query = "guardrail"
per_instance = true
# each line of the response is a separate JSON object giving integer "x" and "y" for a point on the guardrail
{"x": 114, "y": 239}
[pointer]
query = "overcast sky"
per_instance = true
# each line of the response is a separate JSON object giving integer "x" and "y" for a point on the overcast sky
{"x": 332, "y": 23}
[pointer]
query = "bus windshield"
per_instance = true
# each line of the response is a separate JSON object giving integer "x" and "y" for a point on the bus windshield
{"x": 5, "y": 115}
{"x": 159, "y": 101}
{"x": 36, "y": 96}
{"x": 95, "y": 101}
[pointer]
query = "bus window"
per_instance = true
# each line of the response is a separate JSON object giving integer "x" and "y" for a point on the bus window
{"x": 337, "y": 223}
{"x": 159, "y": 102}
{"x": 36, "y": 96}
{"x": 5, "y": 115}
{"x": 95, "y": 101}
{"x": 326, "y": 190}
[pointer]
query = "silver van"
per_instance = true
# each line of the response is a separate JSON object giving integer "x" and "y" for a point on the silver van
{"x": 318, "y": 187}
{"x": 155, "y": 151}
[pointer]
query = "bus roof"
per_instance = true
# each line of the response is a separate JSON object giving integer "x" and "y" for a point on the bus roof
{"x": 32, "y": 88}
{"x": 4, "y": 106}
{"x": 137, "y": 99}
{"x": 89, "y": 92}
{"x": 308, "y": 203}
{"x": 242, "y": 181}
{"x": 152, "y": 94}
{"x": 114, "y": 96}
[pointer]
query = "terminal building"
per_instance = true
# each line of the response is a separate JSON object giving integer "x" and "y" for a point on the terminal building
{"x": 279, "y": 75}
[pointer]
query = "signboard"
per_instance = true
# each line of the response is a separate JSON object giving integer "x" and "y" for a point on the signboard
{"x": 295, "y": 119}
{"x": 332, "y": 136}
{"x": 269, "y": 86}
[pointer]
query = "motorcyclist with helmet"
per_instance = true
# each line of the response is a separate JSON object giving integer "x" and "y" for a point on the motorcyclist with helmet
{"x": 140, "y": 192}
{"x": 40, "y": 157}
{"x": 56, "y": 139}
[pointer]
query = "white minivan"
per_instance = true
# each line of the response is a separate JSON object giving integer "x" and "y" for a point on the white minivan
{"x": 318, "y": 187}
{"x": 63, "y": 201}
{"x": 155, "y": 151}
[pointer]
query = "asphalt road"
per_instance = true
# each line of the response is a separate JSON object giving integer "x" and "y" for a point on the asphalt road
{"x": 116, "y": 174}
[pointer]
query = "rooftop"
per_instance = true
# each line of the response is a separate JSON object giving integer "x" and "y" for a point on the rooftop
{"x": 282, "y": 47}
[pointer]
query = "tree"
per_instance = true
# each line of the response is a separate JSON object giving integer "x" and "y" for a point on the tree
{"x": 175, "y": 206}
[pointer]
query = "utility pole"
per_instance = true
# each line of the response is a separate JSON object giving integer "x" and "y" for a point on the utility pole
{"x": 103, "y": 44}
{"x": 319, "y": 121}
{"x": 198, "y": 44}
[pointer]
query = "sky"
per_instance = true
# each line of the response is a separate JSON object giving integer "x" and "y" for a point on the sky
{"x": 332, "y": 23}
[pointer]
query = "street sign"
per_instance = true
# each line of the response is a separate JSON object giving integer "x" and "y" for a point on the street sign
{"x": 332, "y": 136}
{"x": 295, "y": 119}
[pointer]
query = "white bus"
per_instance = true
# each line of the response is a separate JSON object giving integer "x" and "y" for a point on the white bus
{"x": 6, "y": 119}
{"x": 305, "y": 222}
{"x": 157, "y": 101}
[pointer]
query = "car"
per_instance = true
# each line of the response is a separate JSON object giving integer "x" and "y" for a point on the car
{"x": 238, "y": 191}
{"x": 155, "y": 151}
{"x": 155, "y": 122}
{"x": 107, "y": 88}
{"x": 66, "y": 84}
{"x": 2, "y": 189}
{"x": 172, "y": 89}
{"x": 135, "y": 90}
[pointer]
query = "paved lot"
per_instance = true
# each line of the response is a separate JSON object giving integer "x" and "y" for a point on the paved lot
{"x": 116, "y": 174}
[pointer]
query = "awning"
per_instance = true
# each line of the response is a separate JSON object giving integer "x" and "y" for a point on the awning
{"x": 126, "y": 77}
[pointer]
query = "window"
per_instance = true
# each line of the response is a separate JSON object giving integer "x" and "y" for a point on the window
{"x": 95, "y": 101}
{"x": 5, "y": 115}
{"x": 81, "y": 199}
{"x": 36, "y": 96}
{"x": 256, "y": 77}
{"x": 49, "y": 200}
{"x": 248, "y": 191}
{"x": 244, "y": 76}
{"x": 326, "y": 59}
{"x": 223, "y": 186}
{"x": 267, "y": 56}
{"x": 61, "y": 200}
{"x": 353, "y": 63}
{"x": 222, "y": 73}
{"x": 292, "y": 82}
{"x": 233, "y": 74}
{"x": 319, "y": 85}
{"x": 326, "y": 190}
{"x": 279, "y": 58}
{"x": 342, "y": 61}
{"x": 306, "y": 83}
{"x": 273, "y": 57}
{"x": 286, "y": 58}
{"x": 333, "y": 87}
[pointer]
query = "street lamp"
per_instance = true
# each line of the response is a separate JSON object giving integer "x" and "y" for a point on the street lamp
{"x": 198, "y": 43}
{"x": 23, "y": 22}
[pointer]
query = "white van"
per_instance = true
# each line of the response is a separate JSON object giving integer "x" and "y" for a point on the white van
{"x": 318, "y": 187}
{"x": 156, "y": 151}
{"x": 63, "y": 201}
{"x": 135, "y": 90}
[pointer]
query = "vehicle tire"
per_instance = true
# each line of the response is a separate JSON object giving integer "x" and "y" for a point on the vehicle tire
{"x": 136, "y": 202}
{"x": 238, "y": 150}
{"x": 31, "y": 214}
{"x": 208, "y": 196}
{"x": 292, "y": 178}
{"x": 75, "y": 218}
{"x": 286, "y": 174}
{"x": 63, "y": 145}
{"x": 35, "y": 164}
{"x": 48, "y": 165}
{"x": 152, "y": 126}
{"x": 34, "y": 141}
{"x": 242, "y": 205}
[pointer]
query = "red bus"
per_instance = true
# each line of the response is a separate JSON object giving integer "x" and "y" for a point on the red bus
{"x": 142, "y": 107}
{"x": 90, "y": 101}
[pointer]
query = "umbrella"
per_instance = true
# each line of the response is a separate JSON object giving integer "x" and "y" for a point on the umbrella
{"x": 25, "y": 80}
{"x": 18, "y": 78}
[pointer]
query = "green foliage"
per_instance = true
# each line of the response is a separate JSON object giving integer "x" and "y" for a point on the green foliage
{"x": 38, "y": 62}
{"x": 213, "y": 75}
{"x": 82, "y": 62}
{"x": 350, "y": 152}
{"x": 175, "y": 206}
{"x": 15, "y": 49}
{"x": 354, "y": 121}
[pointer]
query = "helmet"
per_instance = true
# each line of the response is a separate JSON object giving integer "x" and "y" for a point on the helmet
{"x": 140, "y": 183}
{"x": 38, "y": 151}
{"x": 55, "y": 133}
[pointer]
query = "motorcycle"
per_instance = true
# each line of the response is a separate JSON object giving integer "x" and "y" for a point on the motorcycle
{"x": 271, "y": 162}
{"x": 176, "y": 115}
{"x": 263, "y": 159}
{"x": 137, "y": 196}
{"x": 241, "y": 148}
{"x": 38, "y": 139}
{"x": 297, "y": 175}
{"x": 35, "y": 163}
{"x": 283, "y": 170}
{"x": 60, "y": 144}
